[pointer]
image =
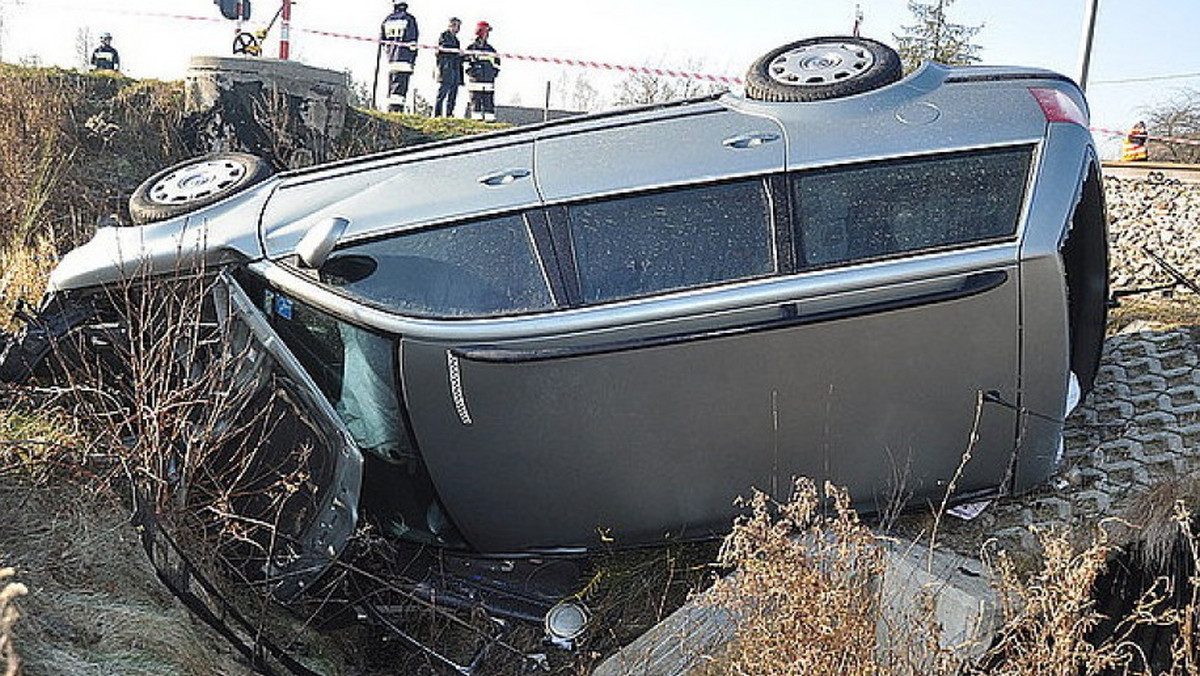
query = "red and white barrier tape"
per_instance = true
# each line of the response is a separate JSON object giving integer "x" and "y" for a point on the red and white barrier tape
{"x": 1161, "y": 139}
{"x": 561, "y": 61}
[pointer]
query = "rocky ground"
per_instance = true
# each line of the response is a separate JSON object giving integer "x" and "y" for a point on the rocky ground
{"x": 1163, "y": 217}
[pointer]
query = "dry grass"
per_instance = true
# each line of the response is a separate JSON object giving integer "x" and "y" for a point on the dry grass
{"x": 1183, "y": 310}
{"x": 97, "y": 608}
{"x": 804, "y": 590}
{"x": 23, "y": 277}
{"x": 1049, "y": 615}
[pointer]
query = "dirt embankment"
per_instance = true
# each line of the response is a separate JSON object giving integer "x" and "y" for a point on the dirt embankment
{"x": 73, "y": 147}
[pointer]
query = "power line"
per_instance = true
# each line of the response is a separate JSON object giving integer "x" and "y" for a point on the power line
{"x": 1149, "y": 78}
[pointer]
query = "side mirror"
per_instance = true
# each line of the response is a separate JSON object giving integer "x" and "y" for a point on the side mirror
{"x": 320, "y": 239}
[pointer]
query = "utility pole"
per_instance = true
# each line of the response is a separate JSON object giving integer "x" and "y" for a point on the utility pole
{"x": 1085, "y": 47}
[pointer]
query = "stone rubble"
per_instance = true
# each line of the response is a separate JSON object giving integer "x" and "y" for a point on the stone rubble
{"x": 1163, "y": 216}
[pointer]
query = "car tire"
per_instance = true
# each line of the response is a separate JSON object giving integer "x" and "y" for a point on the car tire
{"x": 818, "y": 69}
{"x": 196, "y": 183}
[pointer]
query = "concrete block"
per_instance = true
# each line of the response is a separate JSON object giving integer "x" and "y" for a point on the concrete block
{"x": 955, "y": 588}
{"x": 285, "y": 111}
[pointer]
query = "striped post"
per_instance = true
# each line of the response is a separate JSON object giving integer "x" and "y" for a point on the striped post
{"x": 285, "y": 29}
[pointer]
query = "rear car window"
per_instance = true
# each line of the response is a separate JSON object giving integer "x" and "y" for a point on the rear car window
{"x": 652, "y": 243}
{"x": 862, "y": 212}
{"x": 476, "y": 269}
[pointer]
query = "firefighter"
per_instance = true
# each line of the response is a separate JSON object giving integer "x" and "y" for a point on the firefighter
{"x": 399, "y": 27}
{"x": 482, "y": 68}
{"x": 105, "y": 57}
{"x": 1133, "y": 149}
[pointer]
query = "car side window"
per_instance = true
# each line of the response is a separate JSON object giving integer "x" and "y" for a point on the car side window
{"x": 477, "y": 269}
{"x": 652, "y": 243}
{"x": 867, "y": 211}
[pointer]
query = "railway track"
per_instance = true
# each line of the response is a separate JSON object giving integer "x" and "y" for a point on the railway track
{"x": 1161, "y": 172}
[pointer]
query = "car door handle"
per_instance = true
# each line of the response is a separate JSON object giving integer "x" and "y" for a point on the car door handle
{"x": 750, "y": 140}
{"x": 503, "y": 177}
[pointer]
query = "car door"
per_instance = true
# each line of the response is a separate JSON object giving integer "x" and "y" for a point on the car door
{"x": 905, "y": 374}
{"x": 562, "y": 431}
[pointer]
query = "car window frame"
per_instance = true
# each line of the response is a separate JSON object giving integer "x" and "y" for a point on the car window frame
{"x": 547, "y": 229}
{"x": 1022, "y": 207}
{"x": 564, "y": 240}
{"x": 536, "y": 234}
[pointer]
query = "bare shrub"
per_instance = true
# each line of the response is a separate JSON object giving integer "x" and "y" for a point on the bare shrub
{"x": 199, "y": 426}
{"x": 1177, "y": 118}
{"x": 9, "y": 591}
{"x": 1049, "y": 614}
{"x": 804, "y": 592}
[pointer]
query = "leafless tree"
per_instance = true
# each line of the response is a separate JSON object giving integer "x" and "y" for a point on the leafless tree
{"x": 576, "y": 91}
{"x": 83, "y": 47}
{"x": 1178, "y": 118}
{"x": 648, "y": 87}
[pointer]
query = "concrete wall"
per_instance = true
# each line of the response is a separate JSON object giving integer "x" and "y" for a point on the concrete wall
{"x": 284, "y": 111}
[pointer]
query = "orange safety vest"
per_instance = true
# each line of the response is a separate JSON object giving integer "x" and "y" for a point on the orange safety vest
{"x": 1133, "y": 148}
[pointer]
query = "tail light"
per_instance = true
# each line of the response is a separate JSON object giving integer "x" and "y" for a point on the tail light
{"x": 1058, "y": 107}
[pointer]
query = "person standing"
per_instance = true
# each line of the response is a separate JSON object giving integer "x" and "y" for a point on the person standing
{"x": 105, "y": 57}
{"x": 449, "y": 65}
{"x": 398, "y": 35}
{"x": 1133, "y": 149}
{"x": 483, "y": 66}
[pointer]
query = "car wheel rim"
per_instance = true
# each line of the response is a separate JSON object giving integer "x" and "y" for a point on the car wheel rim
{"x": 197, "y": 181}
{"x": 820, "y": 64}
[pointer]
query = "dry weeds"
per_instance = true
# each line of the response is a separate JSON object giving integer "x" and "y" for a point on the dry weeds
{"x": 1049, "y": 615}
{"x": 23, "y": 277}
{"x": 805, "y": 591}
{"x": 97, "y": 608}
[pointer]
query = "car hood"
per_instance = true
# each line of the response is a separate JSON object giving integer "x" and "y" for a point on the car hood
{"x": 225, "y": 232}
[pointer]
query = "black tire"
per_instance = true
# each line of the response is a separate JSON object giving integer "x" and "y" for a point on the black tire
{"x": 818, "y": 69}
{"x": 196, "y": 183}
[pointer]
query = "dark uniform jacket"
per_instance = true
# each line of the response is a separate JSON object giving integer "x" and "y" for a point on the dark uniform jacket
{"x": 106, "y": 58}
{"x": 399, "y": 27}
{"x": 449, "y": 62}
{"x": 482, "y": 67}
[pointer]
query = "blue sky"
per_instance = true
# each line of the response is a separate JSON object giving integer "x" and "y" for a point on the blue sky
{"x": 1134, "y": 39}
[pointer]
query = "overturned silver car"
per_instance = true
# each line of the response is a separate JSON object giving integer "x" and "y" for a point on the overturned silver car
{"x": 598, "y": 332}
